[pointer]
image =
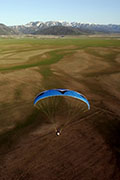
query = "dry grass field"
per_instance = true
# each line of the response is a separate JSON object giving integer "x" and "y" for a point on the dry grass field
{"x": 89, "y": 146}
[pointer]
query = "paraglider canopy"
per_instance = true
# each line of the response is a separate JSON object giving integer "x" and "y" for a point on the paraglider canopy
{"x": 61, "y": 92}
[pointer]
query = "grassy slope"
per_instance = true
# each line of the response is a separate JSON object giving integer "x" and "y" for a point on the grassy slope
{"x": 33, "y": 44}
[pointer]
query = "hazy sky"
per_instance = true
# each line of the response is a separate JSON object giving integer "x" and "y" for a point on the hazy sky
{"x": 14, "y": 12}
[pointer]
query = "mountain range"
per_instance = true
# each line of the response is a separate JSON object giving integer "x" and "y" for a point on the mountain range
{"x": 59, "y": 28}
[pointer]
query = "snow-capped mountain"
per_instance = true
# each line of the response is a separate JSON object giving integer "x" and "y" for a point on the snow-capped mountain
{"x": 38, "y": 26}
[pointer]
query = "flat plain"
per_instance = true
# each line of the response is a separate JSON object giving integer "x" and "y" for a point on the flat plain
{"x": 89, "y": 146}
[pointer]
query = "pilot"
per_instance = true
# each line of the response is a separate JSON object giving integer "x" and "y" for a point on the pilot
{"x": 58, "y": 132}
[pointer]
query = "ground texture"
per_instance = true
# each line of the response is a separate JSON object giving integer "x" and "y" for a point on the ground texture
{"x": 89, "y": 146}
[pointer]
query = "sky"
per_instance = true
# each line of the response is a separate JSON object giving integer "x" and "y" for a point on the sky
{"x": 18, "y": 12}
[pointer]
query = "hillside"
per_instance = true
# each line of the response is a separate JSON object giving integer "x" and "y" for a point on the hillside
{"x": 5, "y": 30}
{"x": 61, "y": 30}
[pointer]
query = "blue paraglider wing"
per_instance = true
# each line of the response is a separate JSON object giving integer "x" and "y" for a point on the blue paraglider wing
{"x": 61, "y": 92}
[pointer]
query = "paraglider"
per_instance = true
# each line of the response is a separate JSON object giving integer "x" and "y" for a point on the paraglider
{"x": 60, "y": 93}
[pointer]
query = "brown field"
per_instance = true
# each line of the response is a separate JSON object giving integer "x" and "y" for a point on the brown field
{"x": 89, "y": 146}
